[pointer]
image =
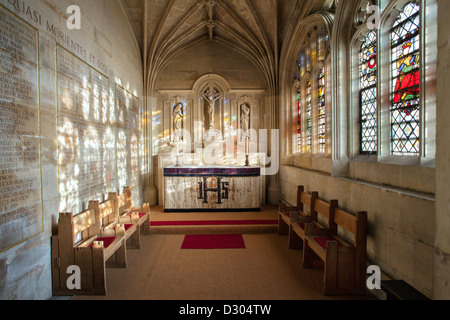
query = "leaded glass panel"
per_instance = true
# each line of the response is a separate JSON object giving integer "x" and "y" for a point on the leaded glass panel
{"x": 368, "y": 94}
{"x": 405, "y": 110}
{"x": 309, "y": 116}
{"x": 321, "y": 109}
{"x": 299, "y": 121}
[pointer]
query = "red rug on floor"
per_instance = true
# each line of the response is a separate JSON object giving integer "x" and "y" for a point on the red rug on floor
{"x": 215, "y": 241}
{"x": 212, "y": 223}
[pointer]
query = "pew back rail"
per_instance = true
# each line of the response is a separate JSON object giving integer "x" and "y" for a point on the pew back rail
{"x": 126, "y": 208}
{"x": 130, "y": 223}
{"x": 318, "y": 208}
{"x": 288, "y": 214}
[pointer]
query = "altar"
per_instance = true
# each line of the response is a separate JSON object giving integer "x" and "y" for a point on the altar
{"x": 212, "y": 189}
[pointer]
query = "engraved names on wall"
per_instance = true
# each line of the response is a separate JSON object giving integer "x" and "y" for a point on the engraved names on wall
{"x": 85, "y": 133}
{"x": 20, "y": 176}
{"x": 128, "y": 128}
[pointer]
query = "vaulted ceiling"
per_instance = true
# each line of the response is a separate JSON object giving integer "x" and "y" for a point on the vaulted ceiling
{"x": 254, "y": 28}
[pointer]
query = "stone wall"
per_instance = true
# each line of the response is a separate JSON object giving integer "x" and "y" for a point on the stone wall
{"x": 401, "y": 224}
{"x": 442, "y": 238}
{"x": 80, "y": 135}
{"x": 211, "y": 57}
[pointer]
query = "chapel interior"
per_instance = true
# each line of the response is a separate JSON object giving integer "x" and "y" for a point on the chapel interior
{"x": 182, "y": 118}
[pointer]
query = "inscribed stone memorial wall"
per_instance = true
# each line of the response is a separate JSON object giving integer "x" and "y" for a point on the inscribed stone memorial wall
{"x": 98, "y": 140}
{"x": 128, "y": 138}
{"x": 85, "y": 133}
{"x": 20, "y": 176}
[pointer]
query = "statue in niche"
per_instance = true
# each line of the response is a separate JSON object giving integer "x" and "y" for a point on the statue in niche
{"x": 211, "y": 96}
{"x": 245, "y": 118}
{"x": 178, "y": 122}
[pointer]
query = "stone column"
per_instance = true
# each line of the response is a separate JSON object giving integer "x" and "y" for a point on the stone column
{"x": 274, "y": 188}
{"x": 150, "y": 192}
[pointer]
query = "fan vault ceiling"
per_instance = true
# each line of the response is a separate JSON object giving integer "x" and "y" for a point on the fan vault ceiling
{"x": 256, "y": 29}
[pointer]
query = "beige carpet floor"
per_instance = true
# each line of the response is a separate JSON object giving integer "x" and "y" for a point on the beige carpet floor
{"x": 265, "y": 270}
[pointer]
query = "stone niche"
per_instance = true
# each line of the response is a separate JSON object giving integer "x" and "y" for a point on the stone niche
{"x": 209, "y": 124}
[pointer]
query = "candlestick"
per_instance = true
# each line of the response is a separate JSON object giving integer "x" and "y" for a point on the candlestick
{"x": 247, "y": 151}
{"x": 177, "y": 164}
{"x": 247, "y": 147}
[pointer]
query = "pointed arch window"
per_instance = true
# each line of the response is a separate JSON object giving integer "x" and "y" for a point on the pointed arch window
{"x": 309, "y": 107}
{"x": 368, "y": 94}
{"x": 309, "y": 116}
{"x": 299, "y": 120}
{"x": 322, "y": 110}
{"x": 405, "y": 107}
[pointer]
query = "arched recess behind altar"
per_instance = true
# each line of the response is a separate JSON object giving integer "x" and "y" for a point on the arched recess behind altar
{"x": 212, "y": 92}
{"x": 235, "y": 109}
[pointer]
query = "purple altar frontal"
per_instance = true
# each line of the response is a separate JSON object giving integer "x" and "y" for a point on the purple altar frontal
{"x": 200, "y": 171}
{"x": 212, "y": 189}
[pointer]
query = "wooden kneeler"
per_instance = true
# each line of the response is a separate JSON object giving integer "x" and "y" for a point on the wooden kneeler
{"x": 91, "y": 254}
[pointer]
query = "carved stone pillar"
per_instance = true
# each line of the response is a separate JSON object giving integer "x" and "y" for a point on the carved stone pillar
{"x": 274, "y": 188}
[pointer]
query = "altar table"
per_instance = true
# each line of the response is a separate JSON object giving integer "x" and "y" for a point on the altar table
{"x": 212, "y": 189}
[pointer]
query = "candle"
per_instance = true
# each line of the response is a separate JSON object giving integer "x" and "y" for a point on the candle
{"x": 247, "y": 147}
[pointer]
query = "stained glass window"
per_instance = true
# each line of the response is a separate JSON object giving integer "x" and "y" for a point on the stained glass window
{"x": 299, "y": 121}
{"x": 368, "y": 94}
{"x": 405, "y": 111}
{"x": 321, "y": 109}
{"x": 309, "y": 116}
{"x": 313, "y": 55}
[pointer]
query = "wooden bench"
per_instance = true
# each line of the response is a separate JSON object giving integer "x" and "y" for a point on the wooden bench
{"x": 126, "y": 208}
{"x": 297, "y": 230}
{"x": 400, "y": 290}
{"x": 107, "y": 213}
{"x": 79, "y": 243}
{"x": 344, "y": 262}
{"x": 288, "y": 214}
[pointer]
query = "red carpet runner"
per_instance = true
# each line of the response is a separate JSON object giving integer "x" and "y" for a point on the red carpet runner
{"x": 218, "y": 241}
{"x": 212, "y": 223}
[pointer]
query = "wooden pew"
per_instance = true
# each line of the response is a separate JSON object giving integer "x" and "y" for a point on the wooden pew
{"x": 317, "y": 208}
{"x": 288, "y": 214}
{"x": 126, "y": 208}
{"x": 78, "y": 243}
{"x": 107, "y": 213}
{"x": 344, "y": 261}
